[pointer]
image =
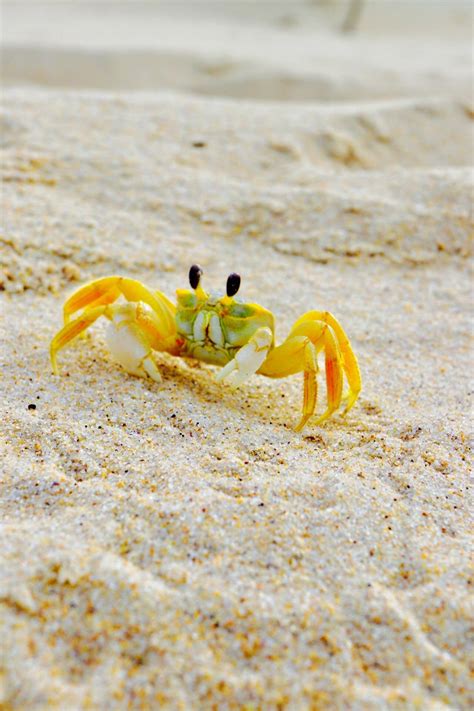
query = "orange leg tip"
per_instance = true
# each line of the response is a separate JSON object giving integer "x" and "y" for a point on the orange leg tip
{"x": 54, "y": 364}
{"x": 301, "y": 424}
{"x": 351, "y": 401}
{"x": 325, "y": 416}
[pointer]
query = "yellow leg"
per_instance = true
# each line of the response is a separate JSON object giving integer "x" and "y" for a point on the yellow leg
{"x": 108, "y": 289}
{"x": 299, "y": 353}
{"x": 135, "y": 331}
{"x": 73, "y": 329}
{"x": 310, "y": 387}
{"x": 349, "y": 360}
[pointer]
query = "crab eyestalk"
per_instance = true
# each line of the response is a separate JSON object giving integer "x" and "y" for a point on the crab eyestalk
{"x": 232, "y": 287}
{"x": 195, "y": 274}
{"x": 233, "y": 284}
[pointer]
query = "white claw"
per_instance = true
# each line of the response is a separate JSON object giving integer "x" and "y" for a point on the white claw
{"x": 149, "y": 366}
{"x": 249, "y": 358}
{"x": 130, "y": 349}
{"x": 226, "y": 370}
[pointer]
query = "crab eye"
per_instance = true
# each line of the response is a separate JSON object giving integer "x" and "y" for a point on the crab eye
{"x": 233, "y": 284}
{"x": 195, "y": 274}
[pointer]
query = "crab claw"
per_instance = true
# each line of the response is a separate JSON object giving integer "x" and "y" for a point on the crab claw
{"x": 249, "y": 358}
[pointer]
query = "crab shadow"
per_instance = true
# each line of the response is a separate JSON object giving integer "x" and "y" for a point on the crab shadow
{"x": 275, "y": 403}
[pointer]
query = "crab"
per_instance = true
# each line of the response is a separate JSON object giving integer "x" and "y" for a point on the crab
{"x": 217, "y": 329}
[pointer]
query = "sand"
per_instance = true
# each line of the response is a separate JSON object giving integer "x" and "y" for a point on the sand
{"x": 179, "y": 546}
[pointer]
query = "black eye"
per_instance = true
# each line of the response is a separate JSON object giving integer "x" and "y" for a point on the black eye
{"x": 233, "y": 284}
{"x": 195, "y": 274}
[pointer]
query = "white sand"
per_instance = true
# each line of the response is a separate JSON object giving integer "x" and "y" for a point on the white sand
{"x": 179, "y": 546}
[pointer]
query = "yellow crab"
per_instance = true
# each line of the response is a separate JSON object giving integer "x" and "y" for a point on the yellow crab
{"x": 221, "y": 330}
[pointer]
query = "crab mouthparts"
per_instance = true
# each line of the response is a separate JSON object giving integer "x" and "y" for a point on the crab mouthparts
{"x": 207, "y": 327}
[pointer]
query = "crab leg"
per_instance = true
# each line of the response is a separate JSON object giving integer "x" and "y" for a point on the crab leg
{"x": 71, "y": 330}
{"x": 310, "y": 385}
{"x": 299, "y": 353}
{"x": 349, "y": 360}
{"x": 108, "y": 289}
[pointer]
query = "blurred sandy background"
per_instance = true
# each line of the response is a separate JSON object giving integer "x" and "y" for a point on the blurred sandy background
{"x": 180, "y": 546}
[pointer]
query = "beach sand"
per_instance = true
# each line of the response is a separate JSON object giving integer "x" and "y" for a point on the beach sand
{"x": 179, "y": 546}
